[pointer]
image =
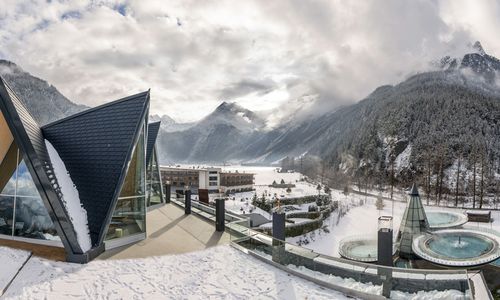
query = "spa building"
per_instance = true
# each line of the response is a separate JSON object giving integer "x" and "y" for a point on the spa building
{"x": 82, "y": 183}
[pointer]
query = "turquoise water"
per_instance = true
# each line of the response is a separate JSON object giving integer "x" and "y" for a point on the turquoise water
{"x": 440, "y": 218}
{"x": 459, "y": 246}
{"x": 496, "y": 262}
{"x": 364, "y": 250}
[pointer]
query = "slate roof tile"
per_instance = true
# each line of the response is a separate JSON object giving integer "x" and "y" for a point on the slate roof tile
{"x": 94, "y": 146}
{"x": 153, "y": 129}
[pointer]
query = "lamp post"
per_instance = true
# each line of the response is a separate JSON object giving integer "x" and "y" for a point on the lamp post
{"x": 220, "y": 193}
{"x": 384, "y": 253}
{"x": 168, "y": 191}
{"x": 220, "y": 212}
{"x": 187, "y": 200}
{"x": 278, "y": 232}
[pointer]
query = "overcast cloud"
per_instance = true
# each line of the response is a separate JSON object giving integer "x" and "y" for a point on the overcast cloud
{"x": 262, "y": 54}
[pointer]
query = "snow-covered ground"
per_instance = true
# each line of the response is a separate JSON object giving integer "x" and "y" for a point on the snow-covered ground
{"x": 216, "y": 273}
{"x": 377, "y": 289}
{"x": 355, "y": 219}
{"x": 296, "y": 221}
{"x": 11, "y": 260}
{"x": 373, "y": 289}
{"x": 357, "y": 215}
{"x": 447, "y": 200}
{"x": 265, "y": 175}
{"x": 241, "y": 203}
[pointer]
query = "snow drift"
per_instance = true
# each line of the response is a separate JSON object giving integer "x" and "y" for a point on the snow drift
{"x": 71, "y": 199}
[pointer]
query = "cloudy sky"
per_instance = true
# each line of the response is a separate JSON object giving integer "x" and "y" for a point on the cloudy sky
{"x": 261, "y": 54}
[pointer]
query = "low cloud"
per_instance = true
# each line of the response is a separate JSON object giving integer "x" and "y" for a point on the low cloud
{"x": 260, "y": 54}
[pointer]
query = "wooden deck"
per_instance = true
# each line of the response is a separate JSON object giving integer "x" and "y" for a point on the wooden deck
{"x": 48, "y": 252}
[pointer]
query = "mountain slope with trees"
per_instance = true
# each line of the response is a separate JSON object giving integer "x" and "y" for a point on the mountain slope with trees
{"x": 43, "y": 100}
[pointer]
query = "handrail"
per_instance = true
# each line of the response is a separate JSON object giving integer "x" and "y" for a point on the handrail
{"x": 427, "y": 276}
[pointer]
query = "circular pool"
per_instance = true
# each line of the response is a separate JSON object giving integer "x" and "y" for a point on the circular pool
{"x": 460, "y": 247}
{"x": 445, "y": 219}
{"x": 359, "y": 248}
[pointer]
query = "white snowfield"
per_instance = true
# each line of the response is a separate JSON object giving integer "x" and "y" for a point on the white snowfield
{"x": 216, "y": 273}
{"x": 71, "y": 199}
{"x": 11, "y": 260}
{"x": 363, "y": 219}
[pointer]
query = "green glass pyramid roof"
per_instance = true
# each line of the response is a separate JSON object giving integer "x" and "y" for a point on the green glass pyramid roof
{"x": 413, "y": 223}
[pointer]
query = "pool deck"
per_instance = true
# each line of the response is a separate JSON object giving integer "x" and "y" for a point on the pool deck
{"x": 170, "y": 231}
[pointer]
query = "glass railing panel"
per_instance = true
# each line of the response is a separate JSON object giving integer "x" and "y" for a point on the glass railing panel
{"x": 338, "y": 271}
{"x": 238, "y": 230}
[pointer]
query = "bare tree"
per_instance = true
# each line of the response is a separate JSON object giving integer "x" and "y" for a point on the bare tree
{"x": 458, "y": 179}
{"x": 497, "y": 196}
{"x": 439, "y": 184}
{"x": 481, "y": 182}
{"x": 428, "y": 168}
{"x": 392, "y": 175}
{"x": 474, "y": 161}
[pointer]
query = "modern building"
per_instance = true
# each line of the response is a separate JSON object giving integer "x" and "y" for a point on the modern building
{"x": 179, "y": 178}
{"x": 213, "y": 180}
{"x": 237, "y": 182}
{"x": 78, "y": 183}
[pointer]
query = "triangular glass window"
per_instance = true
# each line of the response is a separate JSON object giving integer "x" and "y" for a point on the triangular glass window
{"x": 154, "y": 185}
{"x": 25, "y": 184}
{"x": 22, "y": 211}
{"x": 129, "y": 216}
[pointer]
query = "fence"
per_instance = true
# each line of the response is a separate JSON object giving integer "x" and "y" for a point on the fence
{"x": 356, "y": 279}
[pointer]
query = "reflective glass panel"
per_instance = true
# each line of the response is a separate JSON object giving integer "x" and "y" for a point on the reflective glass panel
{"x": 154, "y": 184}
{"x": 25, "y": 184}
{"x": 135, "y": 180}
{"x": 21, "y": 216}
{"x": 6, "y": 214}
{"x": 32, "y": 219}
{"x": 129, "y": 216}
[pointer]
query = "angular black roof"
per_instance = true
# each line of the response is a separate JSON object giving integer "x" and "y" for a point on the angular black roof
{"x": 30, "y": 140}
{"x": 96, "y": 146}
{"x": 153, "y": 129}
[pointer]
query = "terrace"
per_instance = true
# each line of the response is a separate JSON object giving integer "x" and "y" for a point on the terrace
{"x": 167, "y": 226}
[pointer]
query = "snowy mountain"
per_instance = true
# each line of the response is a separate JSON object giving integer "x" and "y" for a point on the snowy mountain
{"x": 231, "y": 114}
{"x": 453, "y": 108}
{"x": 478, "y": 61}
{"x": 44, "y": 101}
{"x": 218, "y": 137}
{"x": 451, "y": 112}
{"x": 168, "y": 124}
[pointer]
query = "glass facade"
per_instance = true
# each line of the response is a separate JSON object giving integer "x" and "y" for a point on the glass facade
{"x": 155, "y": 193}
{"x": 22, "y": 212}
{"x": 129, "y": 216}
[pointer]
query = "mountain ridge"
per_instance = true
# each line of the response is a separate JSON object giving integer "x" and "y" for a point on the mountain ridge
{"x": 452, "y": 107}
{"x": 43, "y": 100}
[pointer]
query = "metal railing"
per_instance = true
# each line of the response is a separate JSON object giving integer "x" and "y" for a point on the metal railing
{"x": 357, "y": 279}
{"x": 362, "y": 279}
